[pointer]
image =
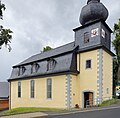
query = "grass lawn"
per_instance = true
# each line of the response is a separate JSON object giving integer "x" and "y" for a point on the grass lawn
{"x": 28, "y": 110}
{"x": 110, "y": 102}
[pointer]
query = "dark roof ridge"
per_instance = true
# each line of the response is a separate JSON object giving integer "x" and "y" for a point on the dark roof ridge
{"x": 61, "y": 46}
{"x": 52, "y": 49}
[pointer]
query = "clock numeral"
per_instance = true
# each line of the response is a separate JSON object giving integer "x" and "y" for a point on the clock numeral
{"x": 94, "y": 32}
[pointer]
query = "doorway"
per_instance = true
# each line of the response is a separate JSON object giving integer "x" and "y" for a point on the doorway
{"x": 88, "y": 99}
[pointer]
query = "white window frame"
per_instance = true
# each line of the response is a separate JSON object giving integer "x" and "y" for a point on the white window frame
{"x": 32, "y": 89}
{"x": 49, "y": 91}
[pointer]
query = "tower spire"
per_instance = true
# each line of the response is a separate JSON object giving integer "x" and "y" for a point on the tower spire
{"x": 94, "y": 10}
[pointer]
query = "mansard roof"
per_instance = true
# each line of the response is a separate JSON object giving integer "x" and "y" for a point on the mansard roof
{"x": 65, "y": 57}
{"x": 49, "y": 54}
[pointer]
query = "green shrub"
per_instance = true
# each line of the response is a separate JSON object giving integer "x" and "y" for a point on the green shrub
{"x": 110, "y": 102}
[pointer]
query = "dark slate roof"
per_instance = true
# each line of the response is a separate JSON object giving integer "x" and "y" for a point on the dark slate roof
{"x": 4, "y": 90}
{"x": 48, "y": 54}
{"x": 64, "y": 56}
{"x": 96, "y": 21}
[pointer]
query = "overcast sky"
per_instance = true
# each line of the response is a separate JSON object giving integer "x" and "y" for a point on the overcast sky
{"x": 38, "y": 23}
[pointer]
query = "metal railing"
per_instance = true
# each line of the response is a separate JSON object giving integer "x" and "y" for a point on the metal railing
{"x": 97, "y": 101}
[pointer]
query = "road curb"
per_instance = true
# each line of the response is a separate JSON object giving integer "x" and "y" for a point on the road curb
{"x": 73, "y": 112}
{"x": 83, "y": 111}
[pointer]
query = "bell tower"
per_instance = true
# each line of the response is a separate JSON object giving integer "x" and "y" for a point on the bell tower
{"x": 94, "y": 58}
{"x": 94, "y": 31}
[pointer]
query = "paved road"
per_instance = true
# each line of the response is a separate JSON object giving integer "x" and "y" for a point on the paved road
{"x": 110, "y": 113}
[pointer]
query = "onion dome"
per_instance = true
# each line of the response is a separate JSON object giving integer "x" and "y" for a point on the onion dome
{"x": 94, "y": 10}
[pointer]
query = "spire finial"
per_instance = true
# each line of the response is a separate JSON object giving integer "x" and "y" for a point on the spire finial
{"x": 93, "y": 1}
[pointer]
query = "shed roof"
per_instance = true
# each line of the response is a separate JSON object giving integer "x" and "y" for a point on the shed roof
{"x": 4, "y": 90}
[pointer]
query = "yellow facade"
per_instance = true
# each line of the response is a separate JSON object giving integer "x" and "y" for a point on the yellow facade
{"x": 107, "y": 75}
{"x": 40, "y": 99}
{"x": 75, "y": 87}
{"x": 88, "y": 77}
{"x": 68, "y": 90}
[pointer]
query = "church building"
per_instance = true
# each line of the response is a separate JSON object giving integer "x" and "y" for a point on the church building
{"x": 72, "y": 75}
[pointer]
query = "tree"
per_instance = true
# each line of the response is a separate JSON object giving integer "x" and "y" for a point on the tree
{"x": 5, "y": 34}
{"x": 116, "y": 45}
{"x": 115, "y": 80}
{"x": 47, "y": 48}
{"x": 2, "y": 7}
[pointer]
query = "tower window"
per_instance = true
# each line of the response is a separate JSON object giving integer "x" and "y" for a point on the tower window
{"x": 106, "y": 37}
{"x": 86, "y": 37}
{"x": 103, "y": 33}
{"x": 51, "y": 64}
{"x": 88, "y": 64}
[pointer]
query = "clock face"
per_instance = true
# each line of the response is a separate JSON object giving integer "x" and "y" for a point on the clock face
{"x": 94, "y": 32}
{"x": 103, "y": 33}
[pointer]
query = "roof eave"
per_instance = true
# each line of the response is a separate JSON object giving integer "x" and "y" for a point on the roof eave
{"x": 96, "y": 21}
{"x": 45, "y": 75}
{"x": 97, "y": 47}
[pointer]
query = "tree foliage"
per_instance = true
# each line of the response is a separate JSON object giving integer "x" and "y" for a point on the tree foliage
{"x": 115, "y": 71}
{"x": 2, "y": 7}
{"x": 47, "y": 48}
{"x": 5, "y": 34}
{"x": 116, "y": 44}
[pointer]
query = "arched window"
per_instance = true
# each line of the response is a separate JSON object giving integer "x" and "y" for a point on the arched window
{"x": 86, "y": 37}
{"x": 32, "y": 88}
{"x": 35, "y": 67}
{"x": 49, "y": 88}
{"x": 19, "y": 89}
{"x": 51, "y": 64}
{"x": 21, "y": 70}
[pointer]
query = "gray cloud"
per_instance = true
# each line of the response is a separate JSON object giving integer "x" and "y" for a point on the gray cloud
{"x": 37, "y": 23}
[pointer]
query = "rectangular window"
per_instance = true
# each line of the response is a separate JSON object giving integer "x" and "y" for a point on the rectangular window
{"x": 32, "y": 88}
{"x": 88, "y": 64}
{"x": 19, "y": 89}
{"x": 107, "y": 91}
{"x": 86, "y": 37}
{"x": 49, "y": 88}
